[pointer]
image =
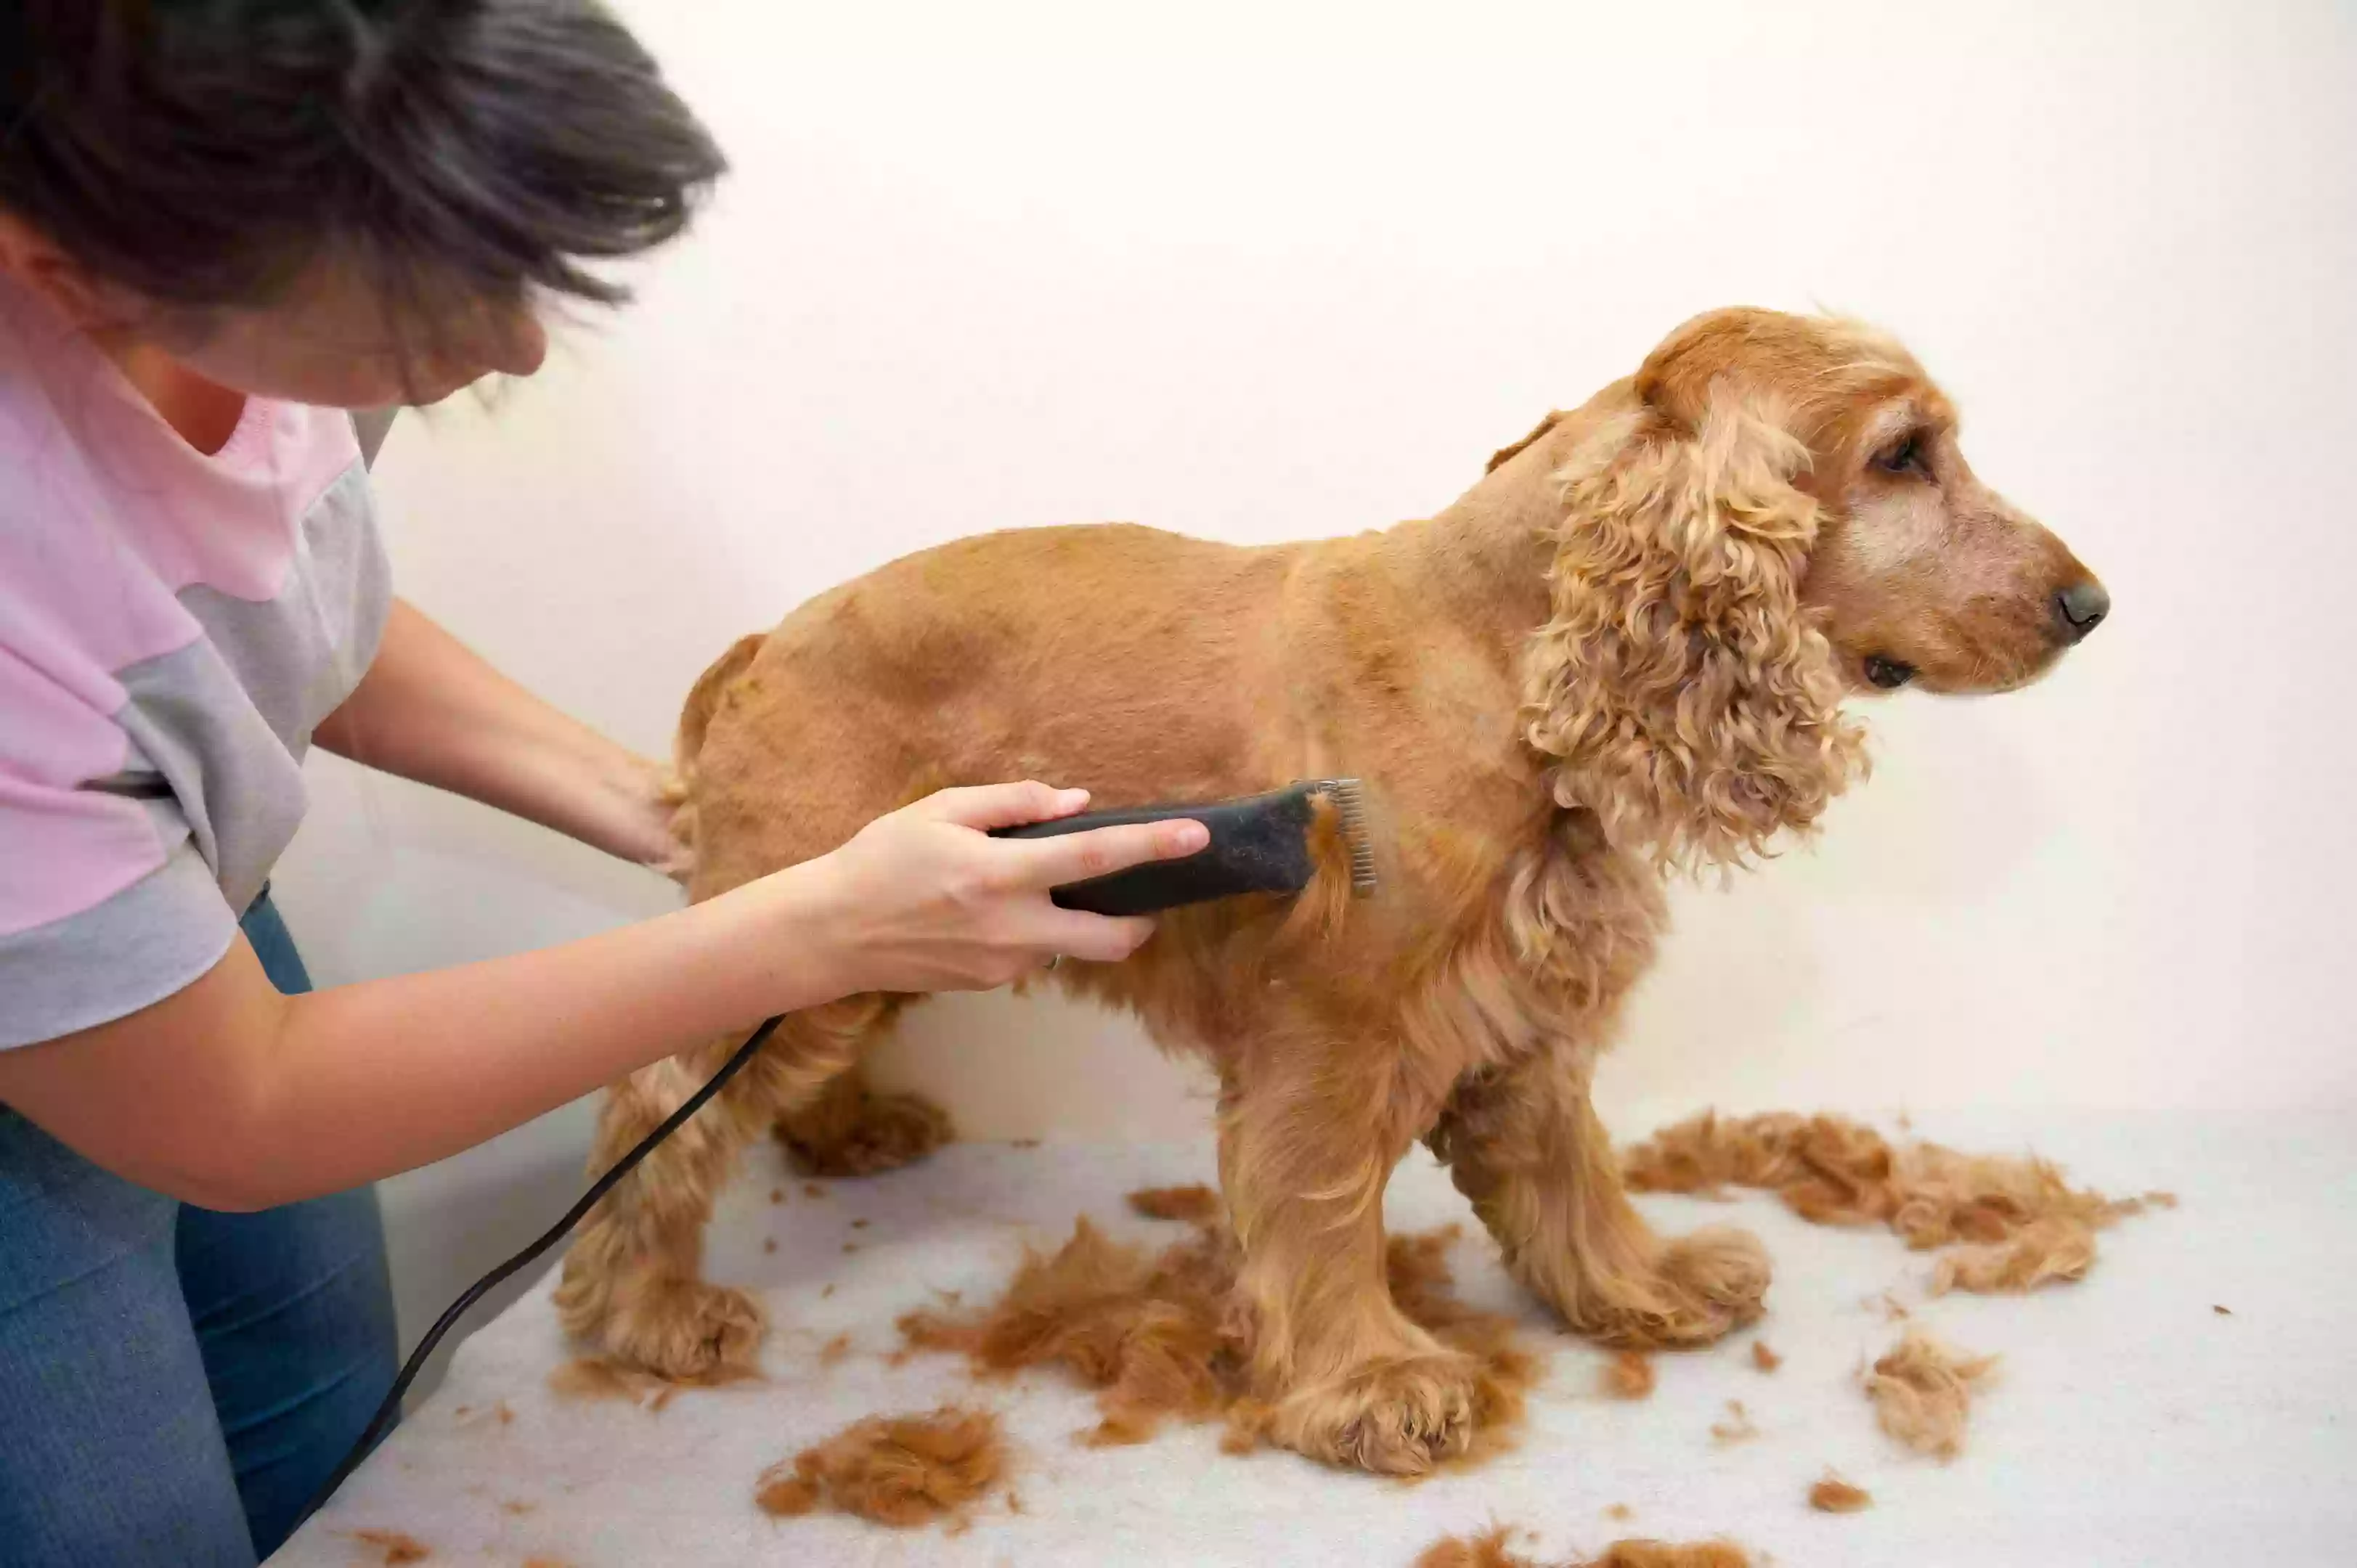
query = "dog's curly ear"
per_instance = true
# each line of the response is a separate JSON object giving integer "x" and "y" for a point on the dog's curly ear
{"x": 1686, "y": 698}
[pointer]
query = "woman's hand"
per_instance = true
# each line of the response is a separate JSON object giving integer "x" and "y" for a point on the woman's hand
{"x": 647, "y": 798}
{"x": 925, "y": 900}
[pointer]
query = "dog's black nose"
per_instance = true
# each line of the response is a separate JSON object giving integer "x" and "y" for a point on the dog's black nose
{"x": 2081, "y": 609}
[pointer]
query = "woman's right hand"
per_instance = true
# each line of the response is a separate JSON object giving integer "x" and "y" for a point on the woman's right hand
{"x": 924, "y": 899}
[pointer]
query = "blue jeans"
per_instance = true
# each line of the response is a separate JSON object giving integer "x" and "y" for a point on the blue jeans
{"x": 174, "y": 1382}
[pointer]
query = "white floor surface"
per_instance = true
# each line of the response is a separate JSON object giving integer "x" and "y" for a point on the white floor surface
{"x": 2131, "y": 1423}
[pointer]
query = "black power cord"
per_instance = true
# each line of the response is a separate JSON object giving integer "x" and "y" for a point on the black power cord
{"x": 385, "y": 1413}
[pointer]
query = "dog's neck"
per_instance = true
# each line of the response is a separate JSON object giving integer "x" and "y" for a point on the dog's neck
{"x": 1482, "y": 562}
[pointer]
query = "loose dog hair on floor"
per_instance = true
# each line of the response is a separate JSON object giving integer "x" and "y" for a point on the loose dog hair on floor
{"x": 1623, "y": 651}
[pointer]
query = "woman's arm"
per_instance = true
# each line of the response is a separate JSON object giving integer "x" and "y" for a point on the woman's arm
{"x": 232, "y": 1096}
{"x": 431, "y": 710}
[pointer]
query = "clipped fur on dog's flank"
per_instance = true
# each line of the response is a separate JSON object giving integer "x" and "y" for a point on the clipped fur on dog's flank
{"x": 901, "y": 1470}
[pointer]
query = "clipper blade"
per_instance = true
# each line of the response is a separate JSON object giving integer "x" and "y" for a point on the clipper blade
{"x": 1349, "y": 798}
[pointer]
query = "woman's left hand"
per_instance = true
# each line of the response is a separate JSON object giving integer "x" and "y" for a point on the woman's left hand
{"x": 655, "y": 823}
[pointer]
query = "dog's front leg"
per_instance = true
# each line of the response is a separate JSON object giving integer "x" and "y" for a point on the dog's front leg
{"x": 1524, "y": 1143}
{"x": 1313, "y": 1118}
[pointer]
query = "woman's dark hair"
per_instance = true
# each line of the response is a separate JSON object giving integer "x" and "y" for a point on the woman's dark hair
{"x": 203, "y": 153}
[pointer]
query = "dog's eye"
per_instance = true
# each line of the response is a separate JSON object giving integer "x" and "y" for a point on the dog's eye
{"x": 1889, "y": 673}
{"x": 1904, "y": 456}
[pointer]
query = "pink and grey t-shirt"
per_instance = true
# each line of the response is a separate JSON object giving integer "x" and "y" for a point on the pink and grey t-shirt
{"x": 173, "y": 626}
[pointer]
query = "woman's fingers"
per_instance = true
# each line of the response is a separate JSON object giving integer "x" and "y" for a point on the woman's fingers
{"x": 1076, "y": 857}
{"x": 987, "y": 806}
{"x": 947, "y": 908}
{"x": 1069, "y": 857}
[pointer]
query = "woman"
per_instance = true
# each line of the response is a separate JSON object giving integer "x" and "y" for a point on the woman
{"x": 220, "y": 225}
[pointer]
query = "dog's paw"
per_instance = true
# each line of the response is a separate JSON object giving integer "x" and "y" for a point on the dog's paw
{"x": 685, "y": 1330}
{"x": 1723, "y": 1271}
{"x": 1702, "y": 1287}
{"x": 1397, "y": 1416}
{"x": 876, "y": 1132}
{"x": 582, "y": 1294}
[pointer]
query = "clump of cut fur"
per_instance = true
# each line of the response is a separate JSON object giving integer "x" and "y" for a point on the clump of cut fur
{"x": 397, "y": 1546}
{"x": 2041, "y": 1251}
{"x": 1766, "y": 1360}
{"x": 1739, "y": 1426}
{"x": 1197, "y": 1205}
{"x": 1494, "y": 1549}
{"x": 1834, "y": 1495}
{"x": 1491, "y": 1549}
{"x": 901, "y": 1470}
{"x": 1144, "y": 1332}
{"x": 1629, "y": 1375}
{"x": 1156, "y": 1335}
{"x": 1673, "y": 1555}
{"x": 1923, "y": 1393}
{"x": 2024, "y": 1224}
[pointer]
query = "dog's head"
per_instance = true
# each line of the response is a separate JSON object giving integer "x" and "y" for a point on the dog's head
{"x": 1774, "y": 515}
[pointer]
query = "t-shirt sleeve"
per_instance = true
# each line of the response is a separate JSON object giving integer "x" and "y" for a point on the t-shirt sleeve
{"x": 106, "y": 906}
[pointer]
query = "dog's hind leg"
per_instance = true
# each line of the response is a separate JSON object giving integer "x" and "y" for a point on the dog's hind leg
{"x": 633, "y": 1281}
{"x": 848, "y": 1129}
{"x": 1524, "y": 1143}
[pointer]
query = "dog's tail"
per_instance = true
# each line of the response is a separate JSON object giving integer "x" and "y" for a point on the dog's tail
{"x": 694, "y": 719}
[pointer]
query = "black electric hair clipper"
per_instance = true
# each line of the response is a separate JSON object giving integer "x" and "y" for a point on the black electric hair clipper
{"x": 1259, "y": 844}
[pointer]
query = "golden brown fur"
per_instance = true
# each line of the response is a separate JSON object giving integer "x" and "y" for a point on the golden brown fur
{"x": 2026, "y": 1224}
{"x": 1621, "y": 651}
{"x": 901, "y": 1470}
{"x": 1923, "y": 1393}
{"x": 1157, "y": 1337}
{"x": 1831, "y": 1494}
{"x": 1495, "y": 1549}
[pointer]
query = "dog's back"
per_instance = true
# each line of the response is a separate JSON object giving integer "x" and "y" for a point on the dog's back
{"x": 1141, "y": 665}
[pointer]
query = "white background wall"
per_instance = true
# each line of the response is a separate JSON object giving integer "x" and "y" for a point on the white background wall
{"x": 1270, "y": 271}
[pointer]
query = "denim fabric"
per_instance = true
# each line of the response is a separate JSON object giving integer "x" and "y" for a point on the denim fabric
{"x": 174, "y": 1382}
